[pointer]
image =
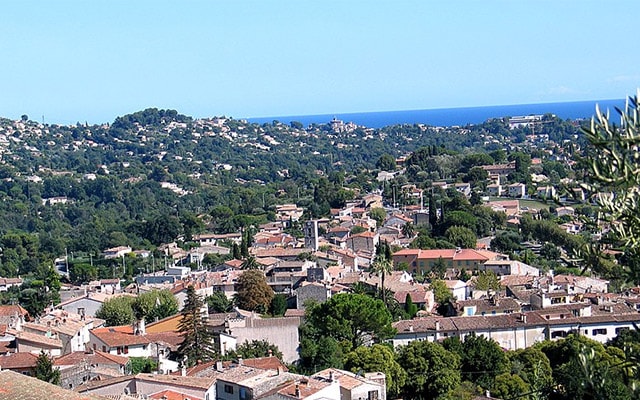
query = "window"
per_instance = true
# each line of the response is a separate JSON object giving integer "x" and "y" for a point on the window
{"x": 373, "y": 395}
{"x": 104, "y": 349}
{"x": 126, "y": 349}
{"x": 601, "y": 331}
{"x": 94, "y": 347}
{"x": 119, "y": 350}
{"x": 228, "y": 389}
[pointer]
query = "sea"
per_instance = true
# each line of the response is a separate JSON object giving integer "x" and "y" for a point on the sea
{"x": 455, "y": 116}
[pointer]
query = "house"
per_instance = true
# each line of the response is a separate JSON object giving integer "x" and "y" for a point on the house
{"x": 116, "y": 252}
{"x": 288, "y": 213}
{"x": 18, "y": 386}
{"x": 86, "y": 305}
{"x": 509, "y": 207}
{"x": 13, "y": 316}
{"x": 245, "y": 326}
{"x": 494, "y": 190}
{"x": 355, "y": 386}
{"x": 493, "y": 305}
{"x": 243, "y": 382}
{"x": 316, "y": 291}
{"x": 422, "y": 261}
{"x": 8, "y": 283}
{"x": 422, "y": 298}
{"x": 517, "y": 190}
{"x": 513, "y": 331}
{"x": 500, "y": 169}
{"x": 363, "y": 241}
{"x": 510, "y": 267}
{"x": 151, "y": 386}
{"x": 24, "y": 363}
{"x": 464, "y": 188}
{"x": 562, "y": 211}
{"x": 546, "y": 192}
{"x": 82, "y": 366}
{"x": 120, "y": 340}
{"x": 27, "y": 342}
{"x": 459, "y": 289}
{"x": 70, "y": 329}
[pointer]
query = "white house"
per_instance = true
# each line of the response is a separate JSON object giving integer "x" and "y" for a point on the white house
{"x": 517, "y": 190}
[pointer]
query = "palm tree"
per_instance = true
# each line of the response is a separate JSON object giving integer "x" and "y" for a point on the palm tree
{"x": 383, "y": 265}
{"x": 408, "y": 230}
{"x": 250, "y": 263}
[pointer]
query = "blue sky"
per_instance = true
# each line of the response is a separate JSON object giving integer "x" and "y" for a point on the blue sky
{"x": 94, "y": 60}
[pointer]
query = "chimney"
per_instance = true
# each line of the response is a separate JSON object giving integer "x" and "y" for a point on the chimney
{"x": 332, "y": 376}
{"x": 437, "y": 326}
{"x": 240, "y": 360}
{"x": 183, "y": 371}
{"x": 523, "y": 318}
{"x": 270, "y": 353}
{"x": 219, "y": 366}
{"x": 410, "y": 328}
{"x": 297, "y": 392}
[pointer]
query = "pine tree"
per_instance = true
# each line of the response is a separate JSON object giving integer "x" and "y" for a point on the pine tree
{"x": 45, "y": 370}
{"x": 197, "y": 342}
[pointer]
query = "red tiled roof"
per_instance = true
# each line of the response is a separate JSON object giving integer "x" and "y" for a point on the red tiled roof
{"x": 120, "y": 336}
{"x": 15, "y": 386}
{"x": 265, "y": 363}
{"x": 10, "y": 310}
{"x": 95, "y": 357}
{"x": 172, "y": 395}
{"x": 18, "y": 361}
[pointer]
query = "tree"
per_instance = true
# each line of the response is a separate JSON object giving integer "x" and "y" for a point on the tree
{"x": 218, "y": 302}
{"x": 508, "y": 386}
{"x": 253, "y": 294}
{"x": 250, "y": 263}
{"x": 613, "y": 166}
{"x": 278, "y": 305}
{"x": 431, "y": 370}
{"x": 461, "y": 237}
{"x": 487, "y": 280}
{"x": 386, "y": 162}
{"x": 45, "y": 370}
{"x": 378, "y": 358}
{"x": 408, "y": 230}
{"x": 383, "y": 265}
{"x": 117, "y": 311}
{"x": 584, "y": 369}
{"x": 441, "y": 293}
{"x": 409, "y": 307}
{"x": 143, "y": 364}
{"x": 482, "y": 360}
{"x": 155, "y": 305}
{"x": 197, "y": 342}
{"x": 379, "y": 215}
{"x": 256, "y": 349}
{"x": 533, "y": 366}
{"x": 355, "y": 319}
{"x": 506, "y": 242}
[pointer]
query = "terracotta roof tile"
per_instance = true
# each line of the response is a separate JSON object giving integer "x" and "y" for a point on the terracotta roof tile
{"x": 15, "y": 386}
{"x": 18, "y": 360}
